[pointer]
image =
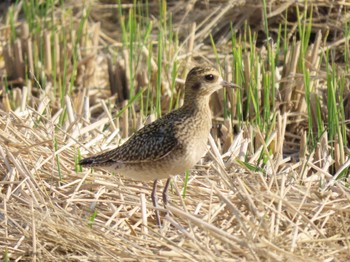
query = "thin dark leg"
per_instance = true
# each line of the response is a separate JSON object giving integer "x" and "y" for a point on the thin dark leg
{"x": 155, "y": 201}
{"x": 165, "y": 192}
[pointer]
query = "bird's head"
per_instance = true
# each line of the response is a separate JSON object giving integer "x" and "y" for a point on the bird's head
{"x": 202, "y": 82}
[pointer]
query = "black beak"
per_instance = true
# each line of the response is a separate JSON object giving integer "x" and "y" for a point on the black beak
{"x": 228, "y": 84}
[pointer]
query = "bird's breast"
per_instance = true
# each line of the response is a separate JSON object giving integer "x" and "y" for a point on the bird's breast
{"x": 194, "y": 139}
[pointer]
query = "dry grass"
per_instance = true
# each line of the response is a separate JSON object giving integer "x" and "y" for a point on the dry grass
{"x": 228, "y": 212}
{"x": 289, "y": 209}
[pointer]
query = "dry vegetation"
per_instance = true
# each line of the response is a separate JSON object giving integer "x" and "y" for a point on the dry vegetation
{"x": 271, "y": 188}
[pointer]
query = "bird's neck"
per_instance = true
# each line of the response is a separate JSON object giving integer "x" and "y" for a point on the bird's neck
{"x": 198, "y": 105}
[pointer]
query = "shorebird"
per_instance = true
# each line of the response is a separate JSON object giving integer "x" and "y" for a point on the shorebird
{"x": 171, "y": 144}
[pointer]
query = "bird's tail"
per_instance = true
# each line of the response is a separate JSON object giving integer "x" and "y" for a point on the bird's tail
{"x": 92, "y": 161}
{"x": 87, "y": 162}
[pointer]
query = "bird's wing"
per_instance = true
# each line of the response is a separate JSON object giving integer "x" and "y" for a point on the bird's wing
{"x": 151, "y": 143}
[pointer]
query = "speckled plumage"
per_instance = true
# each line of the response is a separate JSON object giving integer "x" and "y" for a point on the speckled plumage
{"x": 174, "y": 142}
{"x": 153, "y": 151}
{"x": 171, "y": 144}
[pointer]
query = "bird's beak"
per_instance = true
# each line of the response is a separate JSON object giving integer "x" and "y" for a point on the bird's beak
{"x": 228, "y": 84}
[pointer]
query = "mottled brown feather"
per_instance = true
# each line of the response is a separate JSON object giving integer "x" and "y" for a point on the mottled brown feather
{"x": 172, "y": 143}
{"x": 150, "y": 143}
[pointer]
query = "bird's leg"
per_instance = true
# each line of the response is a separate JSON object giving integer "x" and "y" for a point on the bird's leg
{"x": 165, "y": 192}
{"x": 155, "y": 201}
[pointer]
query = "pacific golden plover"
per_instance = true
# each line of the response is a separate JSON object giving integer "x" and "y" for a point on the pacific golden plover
{"x": 171, "y": 144}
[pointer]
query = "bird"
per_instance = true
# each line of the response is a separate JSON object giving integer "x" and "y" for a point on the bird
{"x": 171, "y": 144}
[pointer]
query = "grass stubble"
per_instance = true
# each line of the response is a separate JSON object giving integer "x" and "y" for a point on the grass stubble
{"x": 274, "y": 184}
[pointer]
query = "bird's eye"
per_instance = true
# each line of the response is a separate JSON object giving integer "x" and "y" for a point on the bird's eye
{"x": 209, "y": 77}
